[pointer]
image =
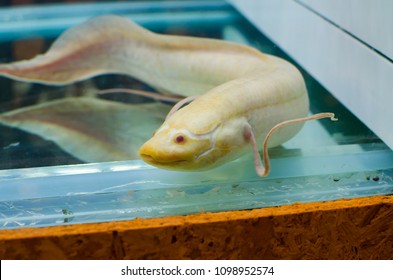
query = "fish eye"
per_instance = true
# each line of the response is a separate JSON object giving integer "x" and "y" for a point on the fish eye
{"x": 180, "y": 139}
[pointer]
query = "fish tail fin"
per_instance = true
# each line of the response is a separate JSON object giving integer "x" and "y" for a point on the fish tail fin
{"x": 94, "y": 47}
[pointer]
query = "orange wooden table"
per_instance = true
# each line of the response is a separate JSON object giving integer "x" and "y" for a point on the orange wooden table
{"x": 359, "y": 228}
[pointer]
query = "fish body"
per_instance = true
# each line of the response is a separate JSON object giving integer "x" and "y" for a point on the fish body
{"x": 213, "y": 125}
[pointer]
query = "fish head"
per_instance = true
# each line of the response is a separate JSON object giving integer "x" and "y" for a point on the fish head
{"x": 179, "y": 148}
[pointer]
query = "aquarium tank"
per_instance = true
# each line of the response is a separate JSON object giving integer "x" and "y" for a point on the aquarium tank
{"x": 50, "y": 175}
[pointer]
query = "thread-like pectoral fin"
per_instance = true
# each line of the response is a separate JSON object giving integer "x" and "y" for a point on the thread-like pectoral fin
{"x": 180, "y": 104}
{"x": 264, "y": 169}
{"x": 144, "y": 93}
{"x": 261, "y": 169}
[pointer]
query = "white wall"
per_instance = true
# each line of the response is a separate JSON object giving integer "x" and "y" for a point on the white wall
{"x": 361, "y": 78}
{"x": 369, "y": 20}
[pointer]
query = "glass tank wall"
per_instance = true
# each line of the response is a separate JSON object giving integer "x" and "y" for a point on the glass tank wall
{"x": 41, "y": 184}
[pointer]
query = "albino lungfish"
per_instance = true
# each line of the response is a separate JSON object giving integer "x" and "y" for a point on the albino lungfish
{"x": 239, "y": 96}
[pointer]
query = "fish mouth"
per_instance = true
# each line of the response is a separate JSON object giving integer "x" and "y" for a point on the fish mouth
{"x": 161, "y": 162}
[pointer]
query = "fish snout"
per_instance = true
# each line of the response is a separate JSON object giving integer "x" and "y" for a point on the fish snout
{"x": 156, "y": 154}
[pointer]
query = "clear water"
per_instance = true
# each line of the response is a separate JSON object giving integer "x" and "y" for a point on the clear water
{"x": 41, "y": 185}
